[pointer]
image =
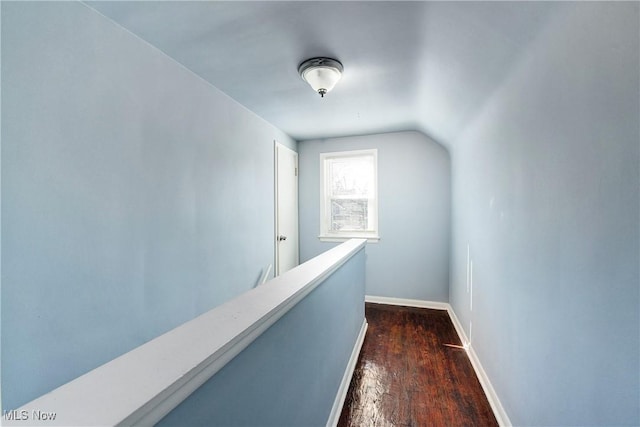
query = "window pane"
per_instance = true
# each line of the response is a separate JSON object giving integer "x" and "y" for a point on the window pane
{"x": 351, "y": 176}
{"x": 349, "y": 214}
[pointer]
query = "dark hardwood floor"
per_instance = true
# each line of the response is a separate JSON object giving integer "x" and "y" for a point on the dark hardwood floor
{"x": 413, "y": 372}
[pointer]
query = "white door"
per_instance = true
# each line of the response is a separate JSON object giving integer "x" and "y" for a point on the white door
{"x": 286, "y": 167}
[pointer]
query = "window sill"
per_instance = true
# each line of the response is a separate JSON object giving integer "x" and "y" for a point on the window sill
{"x": 370, "y": 239}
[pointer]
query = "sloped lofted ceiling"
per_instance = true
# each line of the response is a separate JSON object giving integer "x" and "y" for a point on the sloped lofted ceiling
{"x": 427, "y": 66}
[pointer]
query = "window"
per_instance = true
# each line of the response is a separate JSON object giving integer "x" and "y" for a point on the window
{"x": 349, "y": 195}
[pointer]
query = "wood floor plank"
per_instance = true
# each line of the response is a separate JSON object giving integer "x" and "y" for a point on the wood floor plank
{"x": 412, "y": 371}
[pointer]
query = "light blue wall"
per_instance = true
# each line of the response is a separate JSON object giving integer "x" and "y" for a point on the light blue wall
{"x": 545, "y": 192}
{"x": 291, "y": 374}
{"x": 130, "y": 189}
{"x": 412, "y": 258}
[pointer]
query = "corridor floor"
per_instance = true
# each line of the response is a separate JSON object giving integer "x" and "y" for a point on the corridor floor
{"x": 413, "y": 372}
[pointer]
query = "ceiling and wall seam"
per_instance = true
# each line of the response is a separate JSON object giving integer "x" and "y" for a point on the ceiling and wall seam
{"x": 156, "y": 48}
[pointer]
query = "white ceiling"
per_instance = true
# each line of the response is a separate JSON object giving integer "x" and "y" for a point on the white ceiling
{"x": 427, "y": 66}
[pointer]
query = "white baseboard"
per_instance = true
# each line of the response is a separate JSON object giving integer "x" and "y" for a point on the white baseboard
{"x": 338, "y": 403}
{"x": 489, "y": 391}
{"x": 458, "y": 326}
{"x": 492, "y": 397}
{"x": 407, "y": 302}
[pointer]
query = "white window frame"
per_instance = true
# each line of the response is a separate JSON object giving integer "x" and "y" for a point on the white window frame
{"x": 326, "y": 234}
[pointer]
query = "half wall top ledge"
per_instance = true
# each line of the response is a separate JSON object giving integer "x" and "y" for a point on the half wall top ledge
{"x": 407, "y": 65}
{"x": 145, "y": 384}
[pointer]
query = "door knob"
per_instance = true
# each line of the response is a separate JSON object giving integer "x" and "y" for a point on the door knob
{"x": 281, "y": 238}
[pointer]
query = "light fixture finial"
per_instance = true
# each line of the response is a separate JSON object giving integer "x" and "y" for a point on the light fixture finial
{"x": 321, "y": 73}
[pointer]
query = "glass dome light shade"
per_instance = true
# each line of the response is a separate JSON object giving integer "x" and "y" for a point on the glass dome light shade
{"x": 322, "y": 74}
{"x": 321, "y": 78}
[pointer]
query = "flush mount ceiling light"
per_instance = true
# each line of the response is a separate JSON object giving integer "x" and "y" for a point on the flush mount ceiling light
{"x": 322, "y": 74}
